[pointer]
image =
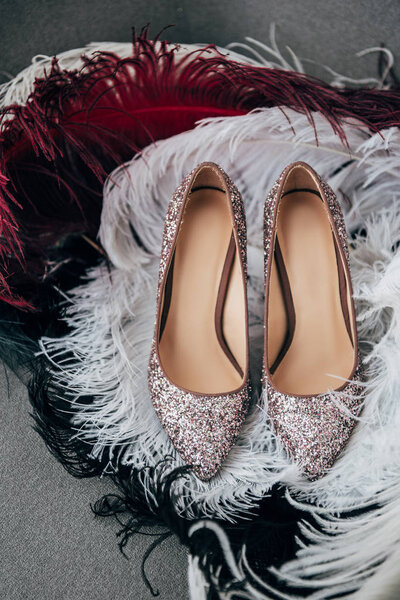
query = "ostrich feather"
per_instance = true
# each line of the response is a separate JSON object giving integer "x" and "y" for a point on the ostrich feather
{"x": 111, "y": 321}
{"x": 111, "y": 316}
{"x": 270, "y": 55}
{"x": 197, "y": 585}
{"x": 385, "y": 583}
{"x": 86, "y": 115}
{"x": 254, "y": 52}
{"x": 99, "y": 367}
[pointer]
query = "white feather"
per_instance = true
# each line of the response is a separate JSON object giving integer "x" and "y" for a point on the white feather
{"x": 112, "y": 315}
{"x": 198, "y": 587}
{"x": 111, "y": 318}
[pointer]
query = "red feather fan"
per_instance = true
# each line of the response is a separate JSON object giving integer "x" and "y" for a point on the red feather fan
{"x": 76, "y": 126}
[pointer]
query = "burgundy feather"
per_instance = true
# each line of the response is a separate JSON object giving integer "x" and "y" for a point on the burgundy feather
{"x": 76, "y": 126}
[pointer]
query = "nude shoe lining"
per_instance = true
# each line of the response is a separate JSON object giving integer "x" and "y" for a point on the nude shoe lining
{"x": 308, "y": 282}
{"x": 202, "y": 336}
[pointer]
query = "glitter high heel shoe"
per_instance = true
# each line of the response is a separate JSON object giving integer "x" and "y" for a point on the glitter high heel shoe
{"x": 310, "y": 347}
{"x": 198, "y": 369}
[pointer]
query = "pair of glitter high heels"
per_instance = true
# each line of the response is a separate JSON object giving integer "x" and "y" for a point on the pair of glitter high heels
{"x": 199, "y": 363}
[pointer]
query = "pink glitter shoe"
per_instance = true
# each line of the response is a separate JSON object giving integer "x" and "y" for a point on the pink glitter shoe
{"x": 198, "y": 369}
{"x": 312, "y": 374}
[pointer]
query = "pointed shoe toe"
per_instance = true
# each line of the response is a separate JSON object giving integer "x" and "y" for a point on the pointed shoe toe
{"x": 314, "y": 430}
{"x": 310, "y": 335}
{"x": 202, "y": 429}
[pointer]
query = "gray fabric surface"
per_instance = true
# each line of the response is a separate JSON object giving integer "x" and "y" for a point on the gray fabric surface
{"x": 51, "y": 546}
{"x": 328, "y": 32}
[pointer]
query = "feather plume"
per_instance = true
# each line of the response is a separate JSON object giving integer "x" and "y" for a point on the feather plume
{"x": 111, "y": 316}
{"x": 84, "y": 118}
{"x": 94, "y": 394}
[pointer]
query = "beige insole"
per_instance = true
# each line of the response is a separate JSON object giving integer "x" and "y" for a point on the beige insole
{"x": 321, "y": 345}
{"x": 191, "y": 354}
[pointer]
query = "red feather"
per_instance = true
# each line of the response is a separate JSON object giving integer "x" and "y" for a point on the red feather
{"x": 76, "y": 126}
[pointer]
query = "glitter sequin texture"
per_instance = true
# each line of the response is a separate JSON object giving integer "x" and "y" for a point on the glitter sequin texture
{"x": 313, "y": 430}
{"x": 202, "y": 427}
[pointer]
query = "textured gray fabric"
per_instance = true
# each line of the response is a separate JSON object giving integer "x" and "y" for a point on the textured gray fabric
{"x": 52, "y": 546}
{"x": 328, "y": 32}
